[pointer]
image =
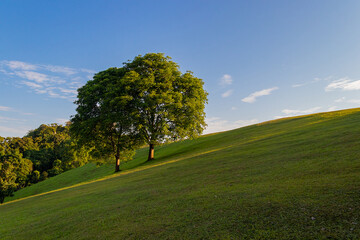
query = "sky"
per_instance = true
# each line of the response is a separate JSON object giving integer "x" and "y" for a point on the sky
{"x": 259, "y": 60}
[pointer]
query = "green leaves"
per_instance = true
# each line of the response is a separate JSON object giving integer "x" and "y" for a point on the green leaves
{"x": 170, "y": 104}
{"x": 14, "y": 171}
{"x": 147, "y": 100}
{"x": 105, "y": 114}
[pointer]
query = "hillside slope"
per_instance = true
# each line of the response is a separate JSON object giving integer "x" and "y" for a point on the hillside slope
{"x": 295, "y": 178}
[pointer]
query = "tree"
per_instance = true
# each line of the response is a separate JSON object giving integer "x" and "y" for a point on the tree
{"x": 14, "y": 173}
{"x": 170, "y": 105}
{"x": 52, "y": 142}
{"x": 105, "y": 115}
{"x": 2, "y": 146}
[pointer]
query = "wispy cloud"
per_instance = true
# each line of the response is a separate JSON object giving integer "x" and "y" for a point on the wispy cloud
{"x": 310, "y": 82}
{"x": 12, "y": 120}
{"x": 252, "y": 97}
{"x": 33, "y": 76}
{"x": 226, "y": 80}
{"x": 295, "y": 112}
{"x": 53, "y": 81}
{"x": 60, "y": 69}
{"x": 31, "y": 84}
{"x": 333, "y": 108}
{"x": 227, "y": 93}
{"x": 340, "y": 100}
{"x": 6, "y": 109}
{"x": 345, "y": 100}
{"x": 345, "y": 84}
{"x": 17, "y": 65}
{"x": 216, "y": 124}
{"x": 62, "y": 121}
{"x": 14, "y": 131}
{"x": 10, "y": 109}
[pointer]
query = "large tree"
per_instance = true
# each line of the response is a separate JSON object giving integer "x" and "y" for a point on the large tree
{"x": 169, "y": 104}
{"x": 147, "y": 100}
{"x": 105, "y": 115}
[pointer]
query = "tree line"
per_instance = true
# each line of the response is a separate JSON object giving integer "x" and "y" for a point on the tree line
{"x": 44, "y": 152}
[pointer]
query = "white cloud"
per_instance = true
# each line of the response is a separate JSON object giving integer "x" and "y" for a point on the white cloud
{"x": 53, "y": 81}
{"x": 60, "y": 69}
{"x": 355, "y": 101}
{"x": 298, "y": 85}
{"x": 252, "y": 97}
{"x": 345, "y": 84}
{"x": 333, "y": 108}
{"x": 6, "y": 109}
{"x": 233, "y": 108}
{"x": 310, "y": 82}
{"x": 71, "y": 91}
{"x": 344, "y": 100}
{"x": 12, "y": 120}
{"x": 19, "y": 65}
{"x": 9, "y": 109}
{"x": 7, "y": 119}
{"x": 34, "y": 76}
{"x": 11, "y": 131}
{"x": 226, "y": 80}
{"x": 62, "y": 121}
{"x": 87, "y": 71}
{"x": 227, "y": 94}
{"x": 293, "y": 112}
{"x": 216, "y": 124}
{"x": 340, "y": 99}
{"x": 296, "y": 112}
{"x": 31, "y": 84}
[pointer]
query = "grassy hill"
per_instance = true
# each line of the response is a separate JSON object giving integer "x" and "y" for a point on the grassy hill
{"x": 294, "y": 178}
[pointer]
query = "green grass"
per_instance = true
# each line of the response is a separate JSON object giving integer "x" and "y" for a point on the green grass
{"x": 295, "y": 178}
{"x": 86, "y": 173}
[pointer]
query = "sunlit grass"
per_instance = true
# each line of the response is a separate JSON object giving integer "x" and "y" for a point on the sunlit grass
{"x": 295, "y": 178}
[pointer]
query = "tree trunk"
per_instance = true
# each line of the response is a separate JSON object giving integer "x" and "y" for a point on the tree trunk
{"x": 117, "y": 164}
{"x": 151, "y": 152}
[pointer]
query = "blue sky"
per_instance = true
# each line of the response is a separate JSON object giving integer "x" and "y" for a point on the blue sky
{"x": 260, "y": 60}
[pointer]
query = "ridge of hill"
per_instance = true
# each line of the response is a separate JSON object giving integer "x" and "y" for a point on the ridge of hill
{"x": 293, "y": 178}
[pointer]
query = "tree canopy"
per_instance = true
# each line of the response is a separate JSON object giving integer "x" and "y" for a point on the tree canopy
{"x": 44, "y": 152}
{"x": 170, "y": 105}
{"x": 105, "y": 115}
{"x": 148, "y": 100}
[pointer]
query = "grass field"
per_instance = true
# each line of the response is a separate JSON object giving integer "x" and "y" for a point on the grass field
{"x": 295, "y": 178}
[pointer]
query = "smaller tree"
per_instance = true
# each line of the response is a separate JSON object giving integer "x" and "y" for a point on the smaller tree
{"x": 104, "y": 119}
{"x": 7, "y": 179}
{"x": 14, "y": 173}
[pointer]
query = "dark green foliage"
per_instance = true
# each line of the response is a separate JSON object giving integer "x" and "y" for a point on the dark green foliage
{"x": 147, "y": 100}
{"x": 170, "y": 105}
{"x": 105, "y": 116}
{"x": 47, "y": 149}
{"x": 14, "y": 173}
{"x": 35, "y": 176}
{"x": 53, "y": 144}
{"x": 56, "y": 169}
{"x": 2, "y": 146}
{"x": 44, "y": 175}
